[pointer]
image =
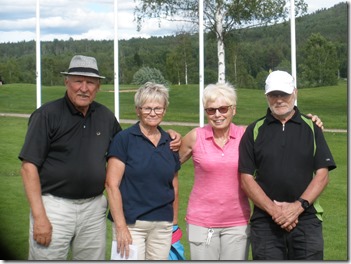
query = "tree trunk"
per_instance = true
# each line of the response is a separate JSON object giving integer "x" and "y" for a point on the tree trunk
{"x": 220, "y": 46}
{"x": 186, "y": 73}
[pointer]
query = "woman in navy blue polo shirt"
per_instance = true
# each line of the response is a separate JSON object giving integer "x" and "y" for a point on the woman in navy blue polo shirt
{"x": 142, "y": 180}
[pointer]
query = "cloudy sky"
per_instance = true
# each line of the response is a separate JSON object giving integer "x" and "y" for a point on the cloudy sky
{"x": 86, "y": 19}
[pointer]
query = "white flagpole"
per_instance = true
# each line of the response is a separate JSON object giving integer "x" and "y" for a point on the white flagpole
{"x": 201, "y": 61}
{"x": 293, "y": 41}
{"x": 38, "y": 55}
{"x": 116, "y": 69}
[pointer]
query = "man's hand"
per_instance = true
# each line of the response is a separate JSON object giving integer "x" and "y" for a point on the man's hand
{"x": 289, "y": 214}
{"x": 42, "y": 231}
{"x": 176, "y": 140}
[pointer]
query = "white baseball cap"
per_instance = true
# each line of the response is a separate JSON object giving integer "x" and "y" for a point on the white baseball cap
{"x": 280, "y": 81}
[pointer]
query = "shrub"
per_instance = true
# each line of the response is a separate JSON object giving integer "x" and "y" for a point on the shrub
{"x": 146, "y": 74}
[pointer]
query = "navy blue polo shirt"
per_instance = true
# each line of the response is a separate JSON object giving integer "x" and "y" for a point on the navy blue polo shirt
{"x": 282, "y": 159}
{"x": 69, "y": 149}
{"x": 147, "y": 183}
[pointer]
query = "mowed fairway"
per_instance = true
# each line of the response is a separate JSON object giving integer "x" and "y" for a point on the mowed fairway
{"x": 330, "y": 103}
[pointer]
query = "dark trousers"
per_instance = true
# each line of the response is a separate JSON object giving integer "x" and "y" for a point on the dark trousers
{"x": 270, "y": 242}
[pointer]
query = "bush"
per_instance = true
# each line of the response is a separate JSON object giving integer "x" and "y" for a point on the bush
{"x": 146, "y": 74}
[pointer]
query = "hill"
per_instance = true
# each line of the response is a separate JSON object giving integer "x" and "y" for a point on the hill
{"x": 249, "y": 52}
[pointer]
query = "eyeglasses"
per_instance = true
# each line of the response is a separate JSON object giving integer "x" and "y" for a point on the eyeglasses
{"x": 148, "y": 110}
{"x": 221, "y": 109}
{"x": 278, "y": 94}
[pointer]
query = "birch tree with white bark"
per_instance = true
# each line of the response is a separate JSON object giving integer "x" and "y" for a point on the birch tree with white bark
{"x": 220, "y": 16}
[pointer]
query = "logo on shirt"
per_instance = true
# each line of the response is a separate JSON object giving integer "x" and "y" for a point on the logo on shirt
{"x": 98, "y": 133}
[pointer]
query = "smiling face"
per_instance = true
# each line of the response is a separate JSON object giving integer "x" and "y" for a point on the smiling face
{"x": 219, "y": 120}
{"x": 81, "y": 91}
{"x": 151, "y": 113}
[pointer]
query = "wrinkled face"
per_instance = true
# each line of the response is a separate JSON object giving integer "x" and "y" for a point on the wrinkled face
{"x": 151, "y": 113}
{"x": 219, "y": 113}
{"x": 81, "y": 91}
{"x": 281, "y": 104}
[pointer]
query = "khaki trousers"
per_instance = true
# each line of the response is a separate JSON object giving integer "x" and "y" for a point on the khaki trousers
{"x": 79, "y": 224}
{"x": 227, "y": 243}
{"x": 152, "y": 238}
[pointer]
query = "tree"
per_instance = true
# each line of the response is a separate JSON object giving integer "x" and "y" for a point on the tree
{"x": 179, "y": 60}
{"x": 320, "y": 65}
{"x": 221, "y": 16}
{"x": 146, "y": 74}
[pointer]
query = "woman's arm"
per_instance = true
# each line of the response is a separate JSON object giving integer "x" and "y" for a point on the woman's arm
{"x": 186, "y": 148}
{"x": 176, "y": 199}
{"x": 114, "y": 175}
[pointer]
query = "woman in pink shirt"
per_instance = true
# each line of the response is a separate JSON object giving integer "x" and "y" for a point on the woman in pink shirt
{"x": 218, "y": 210}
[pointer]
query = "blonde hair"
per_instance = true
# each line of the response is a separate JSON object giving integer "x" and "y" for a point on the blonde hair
{"x": 151, "y": 92}
{"x": 224, "y": 90}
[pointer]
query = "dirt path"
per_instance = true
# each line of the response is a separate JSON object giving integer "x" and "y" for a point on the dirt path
{"x": 170, "y": 123}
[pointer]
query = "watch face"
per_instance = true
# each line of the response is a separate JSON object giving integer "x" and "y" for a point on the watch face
{"x": 305, "y": 204}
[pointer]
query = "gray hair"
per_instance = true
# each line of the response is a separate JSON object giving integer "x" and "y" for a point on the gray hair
{"x": 151, "y": 92}
{"x": 224, "y": 90}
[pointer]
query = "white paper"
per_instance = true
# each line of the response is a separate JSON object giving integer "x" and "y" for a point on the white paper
{"x": 133, "y": 252}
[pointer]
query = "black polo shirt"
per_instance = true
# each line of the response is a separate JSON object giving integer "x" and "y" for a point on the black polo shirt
{"x": 282, "y": 159}
{"x": 69, "y": 149}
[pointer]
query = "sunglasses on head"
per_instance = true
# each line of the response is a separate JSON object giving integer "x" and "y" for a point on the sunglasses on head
{"x": 221, "y": 109}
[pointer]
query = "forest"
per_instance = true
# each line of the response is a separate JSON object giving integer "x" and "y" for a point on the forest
{"x": 321, "y": 46}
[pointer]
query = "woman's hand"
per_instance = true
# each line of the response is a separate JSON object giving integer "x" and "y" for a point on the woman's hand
{"x": 316, "y": 120}
{"x": 124, "y": 239}
{"x": 176, "y": 140}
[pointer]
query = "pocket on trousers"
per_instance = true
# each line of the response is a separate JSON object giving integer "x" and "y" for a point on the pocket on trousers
{"x": 197, "y": 234}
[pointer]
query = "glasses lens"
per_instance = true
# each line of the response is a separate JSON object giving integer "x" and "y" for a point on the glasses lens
{"x": 222, "y": 110}
{"x": 211, "y": 111}
{"x": 148, "y": 110}
{"x": 158, "y": 110}
{"x": 278, "y": 94}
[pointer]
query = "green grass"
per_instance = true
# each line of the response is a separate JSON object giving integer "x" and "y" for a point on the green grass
{"x": 329, "y": 103}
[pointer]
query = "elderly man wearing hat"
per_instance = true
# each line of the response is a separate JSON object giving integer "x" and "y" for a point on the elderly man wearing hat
{"x": 64, "y": 168}
{"x": 284, "y": 163}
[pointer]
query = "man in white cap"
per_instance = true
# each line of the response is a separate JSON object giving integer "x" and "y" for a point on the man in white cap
{"x": 284, "y": 163}
{"x": 64, "y": 168}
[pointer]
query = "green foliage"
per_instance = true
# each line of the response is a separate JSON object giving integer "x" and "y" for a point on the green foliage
{"x": 235, "y": 13}
{"x": 180, "y": 60}
{"x": 320, "y": 64}
{"x": 268, "y": 48}
{"x": 146, "y": 74}
{"x": 248, "y": 52}
{"x": 261, "y": 79}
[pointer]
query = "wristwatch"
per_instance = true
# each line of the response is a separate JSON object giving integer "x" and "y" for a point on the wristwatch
{"x": 304, "y": 203}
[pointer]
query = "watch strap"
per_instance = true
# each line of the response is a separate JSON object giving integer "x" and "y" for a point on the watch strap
{"x": 304, "y": 203}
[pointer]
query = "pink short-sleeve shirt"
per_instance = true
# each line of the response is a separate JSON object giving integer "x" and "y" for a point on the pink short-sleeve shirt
{"x": 216, "y": 199}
